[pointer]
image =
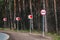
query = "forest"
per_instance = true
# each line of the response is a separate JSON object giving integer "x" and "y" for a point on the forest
{"x": 11, "y": 9}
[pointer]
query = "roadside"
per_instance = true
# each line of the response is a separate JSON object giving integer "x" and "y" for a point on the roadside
{"x": 25, "y": 36}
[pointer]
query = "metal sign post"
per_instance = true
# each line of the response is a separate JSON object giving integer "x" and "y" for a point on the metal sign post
{"x": 4, "y": 19}
{"x": 43, "y": 25}
{"x": 31, "y": 25}
{"x": 18, "y": 19}
{"x": 17, "y": 25}
{"x": 43, "y": 13}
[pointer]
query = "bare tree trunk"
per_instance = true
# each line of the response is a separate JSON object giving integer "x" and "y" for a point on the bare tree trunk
{"x": 46, "y": 28}
{"x": 38, "y": 11}
{"x": 45, "y": 17}
{"x": 19, "y": 4}
{"x": 55, "y": 16}
{"x": 5, "y": 7}
{"x": 24, "y": 13}
{"x": 14, "y": 14}
{"x": 31, "y": 12}
{"x": 5, "y": 12}
{"x": 11, "y": 24}
{"x": 19, "y": 7}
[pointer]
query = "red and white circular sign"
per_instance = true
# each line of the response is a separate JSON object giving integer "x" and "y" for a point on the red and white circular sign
{"x": 43, "y": 12}
{"x": 30, "y": 16}
{"x": 4, "y": 19}
{"x": 18, "y": 18}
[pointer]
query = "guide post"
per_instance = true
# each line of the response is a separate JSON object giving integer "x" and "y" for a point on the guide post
{"x": 31, "y": 25}
{"x": 18, "y": 19}
{"x": 43, "y": 13}
{"x": 5, "y": 19}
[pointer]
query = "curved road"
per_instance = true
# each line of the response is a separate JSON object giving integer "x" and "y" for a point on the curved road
{"x": 25, "y": 36}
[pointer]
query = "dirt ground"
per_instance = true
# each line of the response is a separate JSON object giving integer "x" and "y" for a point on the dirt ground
{"x": 25, "y": 36}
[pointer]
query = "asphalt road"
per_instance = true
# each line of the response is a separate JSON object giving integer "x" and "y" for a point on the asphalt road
{"x": 25, "y": 36}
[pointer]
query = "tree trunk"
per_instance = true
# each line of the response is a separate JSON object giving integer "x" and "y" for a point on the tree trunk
{"x": 46, "y": 27}
{"x": 19, "y": 8}
{"x": 24, "y": 14}
{"x": 14, "y": 14}
{"x": 31, "y": 12}
{"x": 5, "y": 12}
{"x": 55, "y": 16}
{"x": 38, "y": 11}
{"x": 11, "y": 23}
{"x": 19, "y": 4}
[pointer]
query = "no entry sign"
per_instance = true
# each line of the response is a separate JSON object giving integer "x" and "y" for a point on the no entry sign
{"x": 4, "y": 19}
{"x": 18, "y": 18}
{"x": 43, "y": 12}
{"x": 30, "y": 16}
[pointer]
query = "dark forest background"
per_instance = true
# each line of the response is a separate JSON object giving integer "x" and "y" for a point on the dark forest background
{"x": 11, "y": 9}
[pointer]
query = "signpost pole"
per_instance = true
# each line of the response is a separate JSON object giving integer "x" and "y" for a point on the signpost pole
{"x": 17, "y": 25}
{"x": 44, "y": 17}
{"x": 18, "y": 19}
{"x": 43, "y": 25}
{"x": 4, "y": 24}
{"x": 4, "y": 19}
{"x": 30, "y": 26}
{"x": 43, "y": 13}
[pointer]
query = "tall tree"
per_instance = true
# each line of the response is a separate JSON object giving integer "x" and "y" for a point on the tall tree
{"x": 5, "y": 12}
{"x": 5, "y": 4}
{"x": 24, "y": 13}
{"x": 19, "y": 4}
{"x": 19, "y": 9}
{"x": 46, "y": 28}
{"x": 14, "y": 14}
{"x": 31, "y": 12}
{"x": 55, "y": 16}
{"x": 11, "y": 23}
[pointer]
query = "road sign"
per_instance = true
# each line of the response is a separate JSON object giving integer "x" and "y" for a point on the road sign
{"x": 43, "y": 12}
{"x": 18, "y": 18}
{"x": 31, "y": 24}
{"x": 30, "y": 16}
{"x": 4, "y": 19}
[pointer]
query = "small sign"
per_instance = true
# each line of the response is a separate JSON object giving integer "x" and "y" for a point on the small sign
{"x": 4, "y": 19}
{"x": 43, "y": 12}
{"x": 30, "y": 17}
{"x": 18, "y": 18}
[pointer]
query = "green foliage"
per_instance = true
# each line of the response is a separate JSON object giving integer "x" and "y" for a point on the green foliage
{"x": 54, "y": 36}
{"x": 1, "y": 28}
{"x": 1, "y": 2}
{"x": 57, "y": 38}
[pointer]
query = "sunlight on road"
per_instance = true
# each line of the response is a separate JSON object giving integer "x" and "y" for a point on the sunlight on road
{"x": 4, "y": 36}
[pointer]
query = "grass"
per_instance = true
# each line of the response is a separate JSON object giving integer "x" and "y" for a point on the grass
{"x": 54, "y": 36}
{"x": 57, "y": 38}
{"x": 25, "y": 31}
{"x": 0, "y": 28}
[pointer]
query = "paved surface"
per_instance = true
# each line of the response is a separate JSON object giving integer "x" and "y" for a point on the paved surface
{"x": 25, "y": 36}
